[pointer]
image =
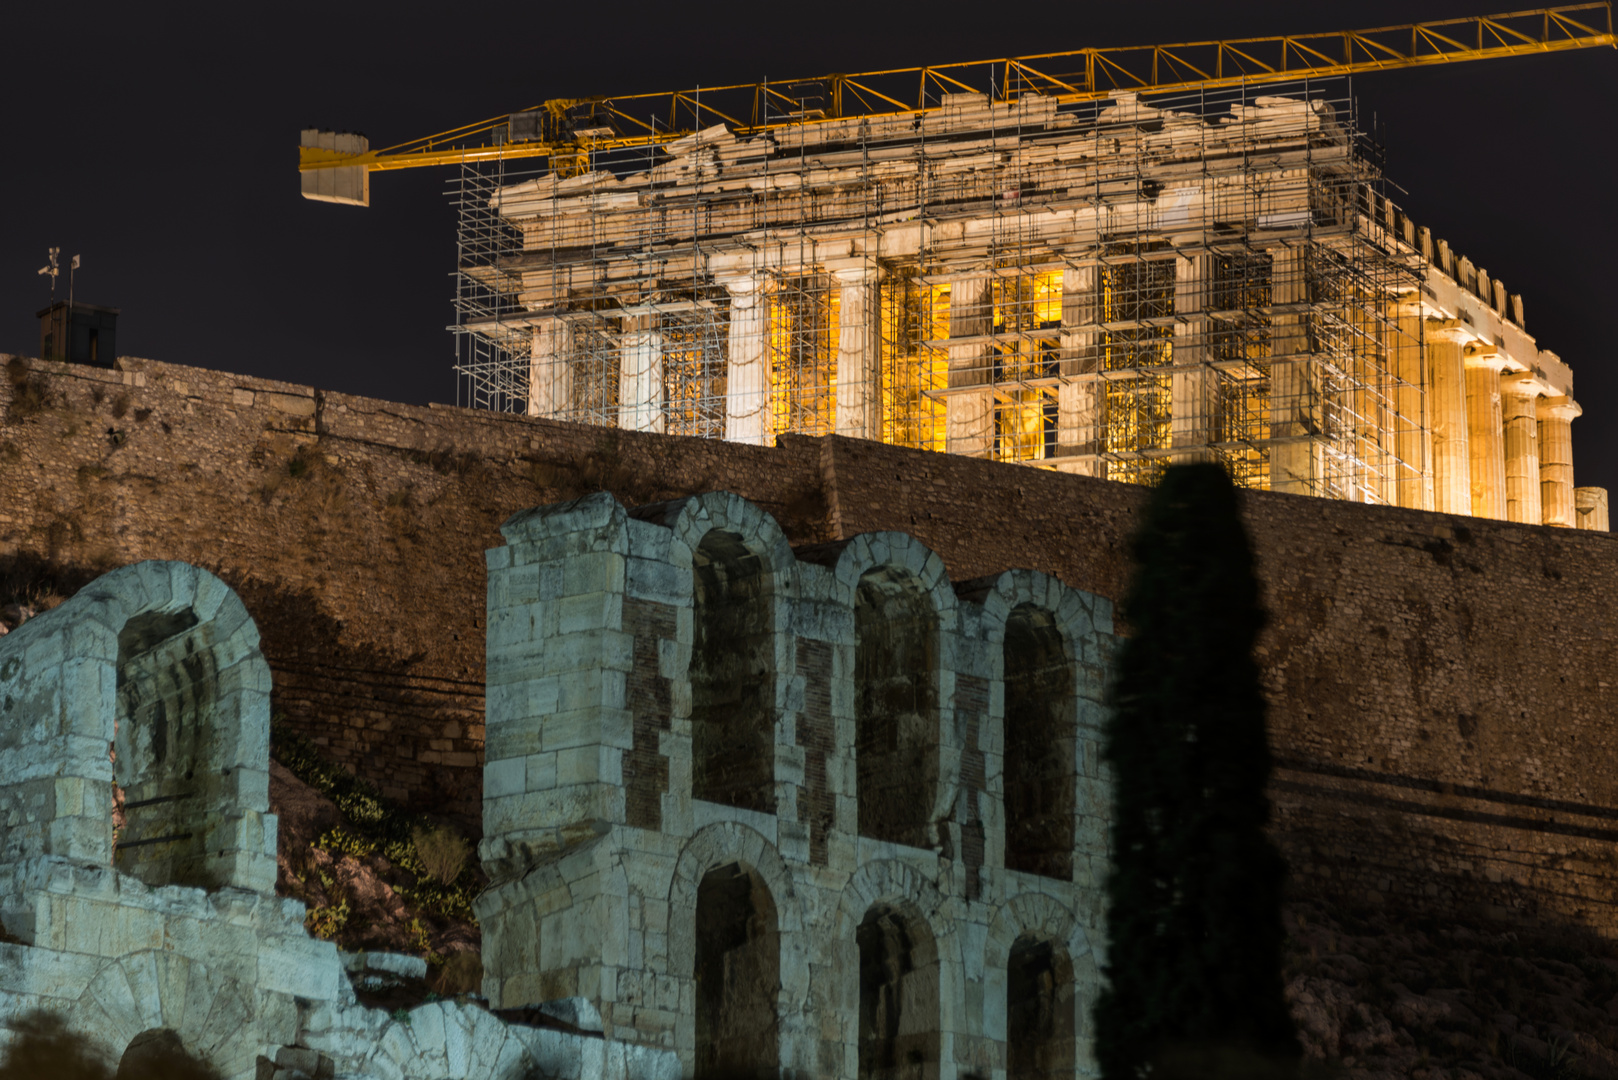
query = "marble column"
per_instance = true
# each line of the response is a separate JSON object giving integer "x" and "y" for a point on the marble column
{"x": 1193, "y": 388}
{"x": 1485, "y": 431}
{"x": 1413, "y": 440}
{"x": 969, "y": 411}
{"x": 1446, "y": 363}
{"x": 1294, "y": 395}
{"x": 859, "y": 379}
{"x": 550, "y": 378}
{"x": 1079, "y": 397}
{"x": 1519, "y": 395}
{"x": 1590, "y": 508}
{"x": 1556, "y": 416}
{"x": 747, "y": 385}
{"x": 640, "y": 376}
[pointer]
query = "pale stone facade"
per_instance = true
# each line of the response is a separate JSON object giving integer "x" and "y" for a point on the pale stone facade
{"x": 823, "y": 811}
{"x": 171, "y": 923}
{"x": 1100, "y": 288}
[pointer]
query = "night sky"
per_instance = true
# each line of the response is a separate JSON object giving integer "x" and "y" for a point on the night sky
{"x": 160, "y": 143}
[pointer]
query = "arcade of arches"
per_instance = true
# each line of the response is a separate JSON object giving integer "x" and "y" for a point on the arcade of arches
{"x": 855, "y": 830}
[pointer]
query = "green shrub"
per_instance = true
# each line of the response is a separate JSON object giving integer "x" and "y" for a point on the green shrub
{"x": 380, "y": 825}
{"x": 327, "y": 920}
{"x": 342, "y": 842}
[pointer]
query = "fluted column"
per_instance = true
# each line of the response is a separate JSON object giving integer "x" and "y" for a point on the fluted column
{"x": 1485, "y": 432}
{"x": 969, "y": 411}
{"x": 859, "y": 383}
{"x": 1079, "y": 397}
{"x": 1413, "y": 477}
{"x": 550, "y": 379}
{"x": 1294, "y": 395}
{"x": 747, "y": 385}
{"x": 1452, "y": 469}
{"x": 1193, "y": 390}
{"x": 640, "y": 376}
{"x": 1556, "y": 416}
{"x": 1519, "y": 395}
{"x": 1590, "y": 508}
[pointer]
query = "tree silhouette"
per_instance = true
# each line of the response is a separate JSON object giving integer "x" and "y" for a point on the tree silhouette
{"x": 1194, "y": 896}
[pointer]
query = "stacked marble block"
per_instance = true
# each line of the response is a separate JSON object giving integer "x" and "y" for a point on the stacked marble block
{"x": 597, "y": 849}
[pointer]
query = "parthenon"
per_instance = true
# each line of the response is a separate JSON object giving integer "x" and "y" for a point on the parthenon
{"x": 1098, "y": 287}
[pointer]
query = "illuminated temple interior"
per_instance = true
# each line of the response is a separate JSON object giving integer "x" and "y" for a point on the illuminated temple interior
{"x": 1101, "y": 287}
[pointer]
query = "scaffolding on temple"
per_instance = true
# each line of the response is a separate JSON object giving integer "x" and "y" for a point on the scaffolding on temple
{"x": 1102, "y": 287}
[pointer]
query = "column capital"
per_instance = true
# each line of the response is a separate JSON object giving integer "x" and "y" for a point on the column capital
{"x": 1482, "y": 354}
{"x": 855, "y": 270}
{"x": 1559, "y": 407}
{"x": 742, "y": 284}
{"x": 1450, "y": 331}
{"x": 1524, "y": 384}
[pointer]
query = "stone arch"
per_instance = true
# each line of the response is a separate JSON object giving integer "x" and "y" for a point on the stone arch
{"x": 1040, "y": 725}
{"x": 741, "y": 655}
{"x": 449, "y": 1041}
{"x": 904, "y": 616}
{"x": 737, "y": 974}
{"x": 160, "y": 661}
{"x": 908, "y": 901}
{"x": 1045, "y": 637}
{"x": 1024, "y": 927}
{"x": 211, "y": 1015}
{"x": 719, "y": 847}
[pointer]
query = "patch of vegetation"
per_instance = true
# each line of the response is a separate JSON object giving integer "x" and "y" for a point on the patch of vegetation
{"x": 442, "y": 851}
{"x": 301, "y": 462}
{"x": 382, "y": 825}
{"x": 30, "y": 393}
{"x": 461, "y": 973}
{"x": 10, "y": 452}
{"x": 327, "y": 920}
{"x": 120, "y": 406}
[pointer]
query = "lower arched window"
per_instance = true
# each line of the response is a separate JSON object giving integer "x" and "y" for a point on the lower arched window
{"x": 738, "y": 975}
{"x": 1039, "y": 1011}
{"x": 898, "y": 1036}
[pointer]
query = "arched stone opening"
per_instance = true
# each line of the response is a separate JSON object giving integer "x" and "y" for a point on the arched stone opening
{"x": 1039, "y": 1010}
{"x": 896, "y": 669}
{"x": 732, "y": 675}
{"x": 158, "y": 1054}
{"x": 164, "y": 779}
{"x": 1040, "y": 750}
{"x": 899, "y": 997}
{"x": 738, "y": 975}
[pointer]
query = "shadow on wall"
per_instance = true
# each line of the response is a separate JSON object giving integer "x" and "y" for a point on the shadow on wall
{"x": 43, "y": 1047}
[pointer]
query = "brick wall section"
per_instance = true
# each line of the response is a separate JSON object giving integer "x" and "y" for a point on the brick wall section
{"x": 646, "y": 770}
{"x": 816, "y": 806}
{"x": 972, "y": 713}
{"x": 1442, "y": 699}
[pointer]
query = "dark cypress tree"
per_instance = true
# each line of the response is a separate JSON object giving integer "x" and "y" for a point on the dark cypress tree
{"x": 1194, "y": 896}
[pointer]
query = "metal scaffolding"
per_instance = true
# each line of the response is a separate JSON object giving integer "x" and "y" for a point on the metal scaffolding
{"x": 1102, "y": 287}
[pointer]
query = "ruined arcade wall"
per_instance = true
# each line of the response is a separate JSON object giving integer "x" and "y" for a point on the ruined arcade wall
{"x": 1439, "y": 685}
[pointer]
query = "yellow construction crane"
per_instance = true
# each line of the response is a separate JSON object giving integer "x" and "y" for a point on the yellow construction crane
{"x": 336, "y": 167}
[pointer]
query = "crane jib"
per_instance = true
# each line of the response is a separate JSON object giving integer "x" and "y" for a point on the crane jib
{"x": 575, "y": 126}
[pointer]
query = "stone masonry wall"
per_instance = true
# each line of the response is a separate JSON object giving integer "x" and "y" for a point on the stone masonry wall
{"x": 1441, "y": 687}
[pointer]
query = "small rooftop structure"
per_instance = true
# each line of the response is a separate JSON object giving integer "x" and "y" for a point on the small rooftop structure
{"x": 78, "y": 333}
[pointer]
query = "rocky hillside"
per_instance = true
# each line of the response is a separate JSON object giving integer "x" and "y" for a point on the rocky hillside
{"x": 1430, "y": 1001}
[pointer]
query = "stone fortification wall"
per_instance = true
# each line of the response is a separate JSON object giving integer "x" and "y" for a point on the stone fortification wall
{"x": 1439, "y": 685}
